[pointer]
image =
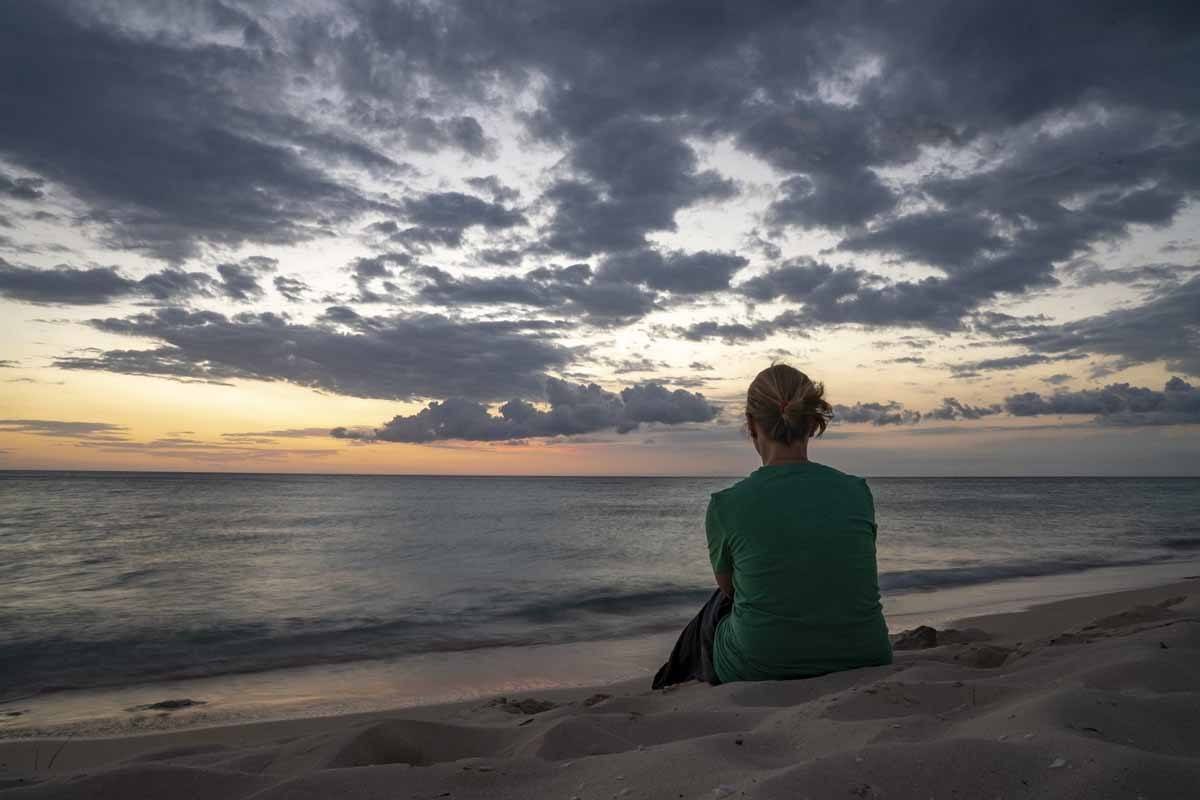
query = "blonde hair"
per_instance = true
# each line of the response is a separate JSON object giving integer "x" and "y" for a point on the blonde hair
{"x": 786, "y": 405}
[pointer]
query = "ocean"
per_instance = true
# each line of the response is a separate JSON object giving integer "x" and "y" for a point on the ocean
{"x": 116, "y": 579}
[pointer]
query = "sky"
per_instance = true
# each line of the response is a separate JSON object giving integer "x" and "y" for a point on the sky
{"x": 554, "y": 237}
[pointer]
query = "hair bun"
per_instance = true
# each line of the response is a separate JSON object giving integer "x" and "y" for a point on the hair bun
{"x": 786, "y": 404}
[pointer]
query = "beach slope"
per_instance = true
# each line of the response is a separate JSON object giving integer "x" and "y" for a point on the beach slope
{"x": 1085, "y": 698}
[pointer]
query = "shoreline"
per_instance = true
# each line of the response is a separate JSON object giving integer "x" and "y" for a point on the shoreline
{"x": 448, "y": 677}
{"x": 1107, "y": 684}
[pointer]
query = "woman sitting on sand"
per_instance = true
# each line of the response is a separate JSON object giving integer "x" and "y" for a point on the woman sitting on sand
{"x": 793, "y": 550}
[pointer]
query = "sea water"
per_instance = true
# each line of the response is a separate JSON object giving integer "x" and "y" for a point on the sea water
{"x": 116, "y": 579}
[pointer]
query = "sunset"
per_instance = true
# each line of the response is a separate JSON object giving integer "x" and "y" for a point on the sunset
{"x": 388, "y": 387}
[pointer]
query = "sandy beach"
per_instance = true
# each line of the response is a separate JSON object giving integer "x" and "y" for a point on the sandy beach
{"x": 1089, "y": 697}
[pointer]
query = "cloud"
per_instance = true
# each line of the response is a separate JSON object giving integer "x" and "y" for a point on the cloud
{"x": 171, "y": 141}
{"x": 972, "y": 368}
{"x": 62, "y": 429}
{"x": 573, "y": 409}
{"x": 571, "y": 290}
{"x": 292, "y": 289}
{"x": 953, "y": 409}
{"x": 1116, "y": 404}
{"x": 639, "y": 364}
{"x": 631, "y": 176}
{"x": 64, "y": 285}
{"x": 500, "y": 192}
{"x": 189, "y": 449}
{"x": 846, "y": 295}
{"x": 1166, "y": 328}
{"x": 1153, "y": 276}
{"x": 239, "y": 281}
{"x": 889, "y": 413}
{"x": 365, "y": 271}
{"x": 22, "y": 188}
{"x": 269, "y": 437}
{"x": 728, "y": 332}
{"x": 443, "y": 217}
{"x": 399, "y": 357}
{"x": 677, "y": 272}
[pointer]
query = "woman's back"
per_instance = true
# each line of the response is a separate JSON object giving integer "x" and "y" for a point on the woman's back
{"x": 799, "y": 540}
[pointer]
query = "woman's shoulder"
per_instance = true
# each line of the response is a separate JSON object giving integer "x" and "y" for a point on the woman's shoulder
{"x": 767, "y": 479}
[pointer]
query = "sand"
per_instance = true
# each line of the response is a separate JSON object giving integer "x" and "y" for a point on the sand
{"x": 1092, "y": 697}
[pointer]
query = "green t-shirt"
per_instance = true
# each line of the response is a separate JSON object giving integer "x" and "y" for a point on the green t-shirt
{"x": 800, "y": 542}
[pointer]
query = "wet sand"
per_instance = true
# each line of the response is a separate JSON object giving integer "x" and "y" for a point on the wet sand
{"x": 1096, "y": 696}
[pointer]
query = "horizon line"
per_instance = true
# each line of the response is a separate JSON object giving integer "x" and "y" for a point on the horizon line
{"x": 12, "y": 470}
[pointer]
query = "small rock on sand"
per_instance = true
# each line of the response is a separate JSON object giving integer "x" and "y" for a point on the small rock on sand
{"x": 596, "y": 699}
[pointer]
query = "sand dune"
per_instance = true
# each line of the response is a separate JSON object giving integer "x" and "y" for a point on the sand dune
{"x": 1087, "y": 698}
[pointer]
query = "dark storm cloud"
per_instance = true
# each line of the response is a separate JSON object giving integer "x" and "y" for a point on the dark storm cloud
{"x": 631, "y": 177}
{"x": 847, "y": 295}
{"x": 22, "y": 188}
{"x": 151, "y": 132}
{"x": 175, "y": 284}
{"x": 728, "y": 332}
{"x": 365, "y": 272}
{"x": 420, "y": 131}
{"x": 500, "y": 192}
{"x": 1151, "y": 276}
{"x": 239, "y": 281}
{"x": 677, "y": 272}
{"x": 441, "y": 218}
{"x": 628, "y": 365}
{"x": 65, "y": 285}
{"x": 61, "y": 429}
{"x": 397, "y": 357}
{"x": 1073, "y": 123}
{"x": 1166, "y": 328}
{"x": 1010, "y": 362}
{"x": 573, "y": 409}
{"x": 455, "y": 211}
{"x": 463, "y": 132}
{"x": 831, "y": 201}
{"x": 947, "y": 239}
{"x": 501, "y": 257}
{"x": 1116, "y": 404}
{"x": 292, "y": 289}
{"x": 800, "y": 279}
{"x": 567, "y": 290}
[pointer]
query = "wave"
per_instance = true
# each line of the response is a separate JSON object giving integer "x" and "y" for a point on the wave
{"x": 39, "y": 664}
{"x": 1182, "y": 543}
{"x": 949, "y": 577}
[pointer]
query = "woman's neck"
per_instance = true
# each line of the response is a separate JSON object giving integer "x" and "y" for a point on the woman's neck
{"x": 777, "y": 453}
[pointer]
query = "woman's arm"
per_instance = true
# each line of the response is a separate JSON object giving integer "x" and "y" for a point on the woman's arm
{"x": 725, "y": 582}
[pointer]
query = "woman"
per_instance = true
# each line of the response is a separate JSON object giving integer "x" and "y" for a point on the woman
{"x": 792, "y": 548}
